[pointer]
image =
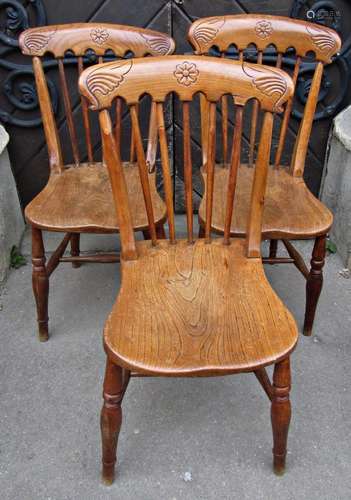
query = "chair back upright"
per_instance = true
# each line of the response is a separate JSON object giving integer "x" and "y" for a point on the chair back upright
{"x": 185, "y": 76}
{"x": 73, "y": 47}
{"x": 281, "y": 41}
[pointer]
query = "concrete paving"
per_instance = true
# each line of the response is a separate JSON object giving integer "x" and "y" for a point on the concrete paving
{"x": 181, "y": 439}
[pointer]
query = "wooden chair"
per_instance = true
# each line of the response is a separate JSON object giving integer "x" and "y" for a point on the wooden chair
{"x": 291, "y": 211}
{"x": 78, "y": 197}
{"x": 191, "y": 307}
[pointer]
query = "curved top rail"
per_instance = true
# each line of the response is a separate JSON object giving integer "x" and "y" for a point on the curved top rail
{"x": 185, "y": 75}
{"x": 79, "y": 37}
{"x": 263, "y": 30}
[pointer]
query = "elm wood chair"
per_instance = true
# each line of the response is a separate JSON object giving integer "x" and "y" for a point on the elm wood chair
{"x": 179, "y": 311}
{"x": 77, "y": 197}
{"x": 291, "y": 211}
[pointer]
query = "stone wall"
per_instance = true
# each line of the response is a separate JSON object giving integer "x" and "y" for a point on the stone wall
{"x": 336, "y": 185}
{"x": 11, "y": 218}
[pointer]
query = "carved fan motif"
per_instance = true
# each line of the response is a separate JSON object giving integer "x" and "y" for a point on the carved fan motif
{"x": 104, "y": 83}
{"x": 324, "y": 41}
{"x": 206, "y": 31}
{"x": 35, "y": 42}
{"x": 158, "y": 44}
{"x": 268, "y": 85}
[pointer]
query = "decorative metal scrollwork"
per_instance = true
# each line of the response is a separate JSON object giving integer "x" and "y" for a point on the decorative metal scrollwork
{"x": 19, "y": 86}
{"x": 326, "y": 13}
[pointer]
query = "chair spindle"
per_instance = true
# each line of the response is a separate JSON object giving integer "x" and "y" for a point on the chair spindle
{"x": 255, "y": 110}
{"x": 167, "y": 180}
{"x": 286, "y": 117}
{"x": 210, "y": 169}
{"x": 85, "y": 113}
{"x": 68, "y": 111}
{"x": 233, "y": 173}
{"x": 144, "y": 178}
{"x": 188, "y": 171}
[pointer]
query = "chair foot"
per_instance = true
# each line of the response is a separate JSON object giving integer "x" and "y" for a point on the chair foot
{"x": 273, "y": 249}
{"x": 314, "y": 283}
{"x": 111, "y": 418}
{"x": 75, "y": 249}
{"x": 40, "y": 281}
{"x": 280, "y": 414}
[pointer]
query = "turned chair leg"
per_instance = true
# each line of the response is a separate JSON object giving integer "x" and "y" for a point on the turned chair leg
{"x": 75, "y": 248}
{"x": 40, "y": 282}
{"x": 115, "y": 383}
{"x": 314, "y": 283}
{"x": 273, "y": 248}
{"x": 280, "y": 413}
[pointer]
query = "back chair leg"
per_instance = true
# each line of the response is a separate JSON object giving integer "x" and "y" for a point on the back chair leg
{"x": 40, "y": 282}
{"x": 111, "y": 417}
{"x": 314, "y": 283}
{"x": 273, "y": 248}
{"x": 160, "y": 232}
{"x": 75, "y": 248}
{"x": 201, "y": 231}
{"x": 146, "y": 234}
{"x": 280, "y": 413}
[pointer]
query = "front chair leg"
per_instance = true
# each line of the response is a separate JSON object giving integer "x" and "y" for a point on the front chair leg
{"x": 280, "y": 413}
{"x": 40, "y": 281}
{"x": 111, "y": 418}
{"x": 314, "y": 283}
{"x": 75, "y": 248}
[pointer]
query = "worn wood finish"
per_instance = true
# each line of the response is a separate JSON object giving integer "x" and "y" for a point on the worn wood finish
{"x": 192, "y": 318}
{"x": 84, "y": 202}
{"x": 263, "y": 30}
{"x": 179, "y": 311}
{"x": 78, "y": 37}
{"x": 78, "y": 196}
{"x": 111, "y": 418}
{"x": 40, "y": 281}
{"x": 102, "y": 84}
{"x": 314, "y": 282}
{"x": 305, "y": 217}
{"x": 290, "y": 210}
{"x": 280, "y": 413}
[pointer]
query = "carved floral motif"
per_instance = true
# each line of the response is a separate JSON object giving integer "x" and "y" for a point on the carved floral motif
{"x": 186, "y": 73}
{"x": 99, "y": 35}
{"x": 263, "y": 29}
{"x": 36, "y": 41}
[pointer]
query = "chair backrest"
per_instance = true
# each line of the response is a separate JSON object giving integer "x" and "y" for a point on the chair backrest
{"x": 281, "y": 34}
{"x": 185, "y": 76}
{"x": 74, "y": 46}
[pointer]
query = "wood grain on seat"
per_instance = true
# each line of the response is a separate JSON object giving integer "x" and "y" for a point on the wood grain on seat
{"x": 290, "y": 210}
{"x": 197, "y": 309}
{"x": 80, "y": 199}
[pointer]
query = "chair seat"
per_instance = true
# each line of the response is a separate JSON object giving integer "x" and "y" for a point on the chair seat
{"x": 290, "y": 211}
{"x": 80, "y": 199}
{"x": 204, "y": 309}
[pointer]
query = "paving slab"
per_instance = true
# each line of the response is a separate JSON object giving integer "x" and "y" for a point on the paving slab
{"x": 181, "y": 438}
